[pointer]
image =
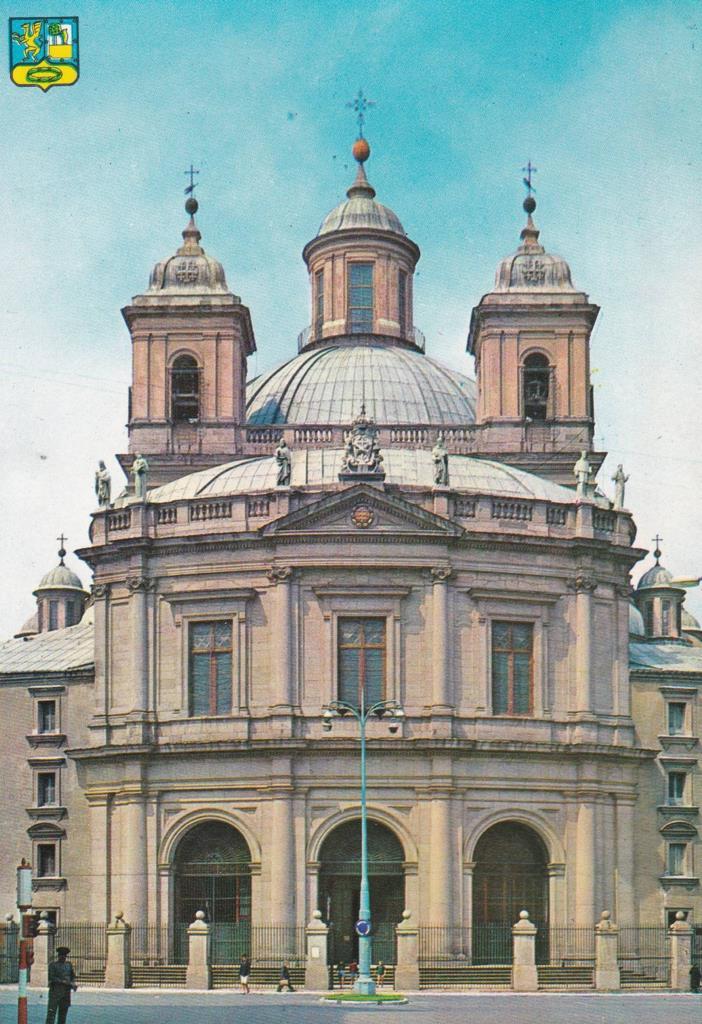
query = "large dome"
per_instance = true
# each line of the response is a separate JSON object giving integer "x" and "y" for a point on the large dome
{"x": 329, "y": 385}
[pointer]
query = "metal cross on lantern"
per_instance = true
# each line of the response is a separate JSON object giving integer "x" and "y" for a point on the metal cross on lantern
{"x": 191, "y": 174}
{"x": 360, "y": 104}
{"x": 529, "y": 170}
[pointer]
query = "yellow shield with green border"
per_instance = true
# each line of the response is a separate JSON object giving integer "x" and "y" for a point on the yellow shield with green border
{"x": 44, "y": 51}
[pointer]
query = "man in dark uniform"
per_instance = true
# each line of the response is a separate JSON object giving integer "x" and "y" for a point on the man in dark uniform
{"x": 62, "y": 981}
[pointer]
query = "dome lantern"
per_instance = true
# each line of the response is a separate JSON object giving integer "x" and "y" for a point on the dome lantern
{"x": 659, "y": 600}
{"x": 61, "y": 597}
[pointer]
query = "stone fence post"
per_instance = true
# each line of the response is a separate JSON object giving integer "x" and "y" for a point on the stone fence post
{"x": 43, "y": 949}
{"x": 199, "y": 973}
{"x": 317, "y": 968}
{"x": 407, "y": 967}
{"x": 118, "y": 963}
{"x": 607, "y": 977}
{"x": 680, "y": 953}
{"x": 524, "y": 977}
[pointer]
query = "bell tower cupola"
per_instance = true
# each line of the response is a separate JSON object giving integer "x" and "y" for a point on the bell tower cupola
{"x": 531, "y": 340}
{"x": 361, "y": 266}
{"x": 191, "y": 337}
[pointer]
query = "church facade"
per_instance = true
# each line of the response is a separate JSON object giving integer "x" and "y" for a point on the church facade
{"x": 360, "y": 518}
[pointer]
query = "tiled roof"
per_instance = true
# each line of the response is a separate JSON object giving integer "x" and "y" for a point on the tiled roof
{"x": 61, "y": 650}
{"x": 665, "y": 657}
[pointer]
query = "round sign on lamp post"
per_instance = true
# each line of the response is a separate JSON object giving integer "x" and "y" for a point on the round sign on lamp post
{"x": 362, "y": 928}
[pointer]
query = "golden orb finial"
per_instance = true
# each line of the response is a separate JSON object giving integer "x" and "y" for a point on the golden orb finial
{"x": 361, "y": 150}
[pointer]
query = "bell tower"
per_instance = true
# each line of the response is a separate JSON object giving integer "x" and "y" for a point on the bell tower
{"x": 531, "y": 340}
{"x": 191, "y": 338}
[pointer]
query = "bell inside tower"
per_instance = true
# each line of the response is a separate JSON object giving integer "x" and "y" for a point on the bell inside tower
{"x": 536, "y": 386}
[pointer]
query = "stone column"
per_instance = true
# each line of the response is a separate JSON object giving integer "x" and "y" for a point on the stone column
{"x": 524, "y": 977}
{"x": 442, "y": 698}
{"x": 625, "y": 862}
{"x": 440, "y": 865}
{"x": 585, "y": 862}
{"x": 584, "y": 587}
{"x": 133, "y": 890}
{"x": 140, "y": 587}
{"x": 680, "y": 953}
{"x": 407, "y": 967}
{"x": 43, "y": 949}
{"x": 606, "y": 954}
{"x": 199, "y": 974}
{"x": 118, "y": 963}
{"x": 317, "y": 971}
{"x": 282, "y": 860}
{"x": 281, "y": 690}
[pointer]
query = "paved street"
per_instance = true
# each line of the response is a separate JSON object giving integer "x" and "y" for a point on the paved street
{"x": 217, "y": 1007}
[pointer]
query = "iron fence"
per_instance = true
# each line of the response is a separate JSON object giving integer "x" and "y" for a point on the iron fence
{"x": 265, "y": 945}
{"x": 9, "y": 953}
{"x": 153, "y": 945}
{"x": 87, "y": 942}
{"x": 568, "y": 947}
{"x": 644, "y": 956}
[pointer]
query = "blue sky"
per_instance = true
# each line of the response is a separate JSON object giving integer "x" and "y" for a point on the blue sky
{"x": 603, "y": 97}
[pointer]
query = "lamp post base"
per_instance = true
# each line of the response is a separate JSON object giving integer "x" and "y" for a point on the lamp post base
{"x": 364, "y": 985}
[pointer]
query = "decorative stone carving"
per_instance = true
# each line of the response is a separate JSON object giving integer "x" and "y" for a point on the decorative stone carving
{"x": 362, "y": 517}
{"x": 582, "y": 582}
{"x": 623, "y": 590}
{"x": 362, "y": 459}
{"x": 103, "y": 485}
{"x": 441, "y": 462}
{"x": 140, "y": 583}
{"x": 279, "y": 573}
{"x": 140, "y": 469}
{"x": 582, "y": 471}
{"x": 441, "y": 573}
{"x": 283, "y": 457}
{"x": 620, "y": 480}
{"x": 99, "y": 590}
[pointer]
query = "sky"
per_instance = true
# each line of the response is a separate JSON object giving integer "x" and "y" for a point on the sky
{"x": 603, "y": 97}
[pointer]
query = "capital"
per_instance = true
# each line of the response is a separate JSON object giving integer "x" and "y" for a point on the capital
{"x": 582, "y": 583}
{"x": 279, "y": 574}
{"x": 99, "y": 590}
{"x": 143, "y": 584}
{"x": 441, "y": 573}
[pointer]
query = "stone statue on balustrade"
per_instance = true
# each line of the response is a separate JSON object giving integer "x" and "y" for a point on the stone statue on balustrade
{"x": 140, "y": 469}
{"x": 620, "y": 480}
{"x": 103, "y": 485}
{"x": 441, "y": 462}
{"x": 362, "y": 459}
{"x": 582, "y": 471}
{"x": 283, "y": 456}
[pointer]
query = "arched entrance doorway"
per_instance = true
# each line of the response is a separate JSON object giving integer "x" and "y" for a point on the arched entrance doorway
{"x": 340, "y": 882}
{"x": 510, "y": 875}
{"x": 213, "y": 873}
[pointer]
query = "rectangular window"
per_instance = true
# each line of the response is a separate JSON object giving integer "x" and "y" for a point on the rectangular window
{"x": 53, "y": 614}
{"x": 46, "y": 860}
{"x": 676, "y": 719}
{"x": 46, "y": 716}
{"x": 210, "y": 668}
{"x": 71, "y": 613}
{"x": 361, "y": 660}
{"x": 676, "y": 858}
{"x": 512, "y": 690}
{"x": 319, "y": 301}
{"x": 676, "y": 788}
{"x": 648, "y": 618}
{"x": 402, "y": 299}
{"x": 46, "y": 789}
{"x": 666, "y": 618}
{"x": 360, "y": 297}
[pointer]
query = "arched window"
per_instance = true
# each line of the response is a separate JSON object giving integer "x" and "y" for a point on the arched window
{"x": 535, "y": 386}
{"x": 185, "y": 389}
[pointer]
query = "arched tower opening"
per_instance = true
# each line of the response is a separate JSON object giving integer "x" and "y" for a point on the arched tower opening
{"x": 185, "y": 389}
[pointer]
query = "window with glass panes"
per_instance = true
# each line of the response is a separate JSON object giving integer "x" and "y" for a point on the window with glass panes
{"x": 360, "y": 296}
{"x": 319, "y": 300}
{"x": 512, "y": 644}
{"x": 676, "y": 788}
{"x": 46, "y": 789}
{"x": 676, "y": 718}
{"x": 71, "y": 613}
{"x": 46, "y": 716}
{"x": 361, "y": 663}
{"x": 402, "y": 299}
{"x": 53, "y": 614}
{"x": 666, "y": 618}
{"x": 676, "y": 858}
{"x": 210, "y": 668}
{"x": 46, "y": 860}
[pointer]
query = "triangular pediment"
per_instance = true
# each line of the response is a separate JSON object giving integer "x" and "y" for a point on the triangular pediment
{"x": 364, "y": 509}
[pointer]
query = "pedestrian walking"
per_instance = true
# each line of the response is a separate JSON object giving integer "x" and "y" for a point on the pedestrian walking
{"x": 695, "y": 977}
{"x": 380, "y": 973}
{"x": 342, "y": 974}
{"x": 62, "y": 981}
{"x": 244, "y": 973}
{"x": 352, "y": 971}
{"x": 284, "y": 980}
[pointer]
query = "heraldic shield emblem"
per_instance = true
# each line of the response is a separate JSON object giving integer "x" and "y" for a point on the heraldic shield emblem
{"x": 44, "y": 51}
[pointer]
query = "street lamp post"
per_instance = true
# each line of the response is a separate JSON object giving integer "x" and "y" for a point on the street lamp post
{"x": 364, "y": 983}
